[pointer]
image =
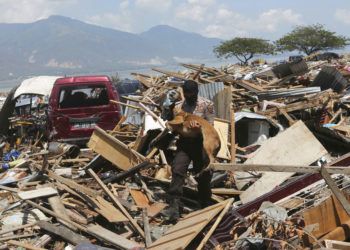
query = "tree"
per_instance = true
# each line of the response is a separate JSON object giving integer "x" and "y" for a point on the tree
{"x": 244, "y": 49}
{"x": 116, "y": 79}
{"x": 310, "y": 39}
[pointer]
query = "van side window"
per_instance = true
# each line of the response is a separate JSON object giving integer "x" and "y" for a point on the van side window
{"x": 83, "y": 96}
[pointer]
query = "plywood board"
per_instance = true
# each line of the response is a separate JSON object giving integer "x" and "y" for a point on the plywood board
{"x": 322, "y": 216}
{"x": 296, "y": 145}
{"x": 114, "y": 150}
{"x": 40, "y": 192}
{"x": 342, "y": 216}
{"x": 222, "y": 128}
{"x": 181, "y": 234}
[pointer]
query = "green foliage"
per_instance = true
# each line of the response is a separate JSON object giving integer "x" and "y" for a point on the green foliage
{"x": 244, "y": 49}
{"x": 310, "y": 39}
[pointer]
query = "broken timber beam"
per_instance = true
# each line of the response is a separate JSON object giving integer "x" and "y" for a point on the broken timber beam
{"x": 336, "y": 191}
{"x": 279, "y": 168}
{"x": 63, "y": 233}
{"x": 90, "y": 230}
{"x": 116, "y": 202}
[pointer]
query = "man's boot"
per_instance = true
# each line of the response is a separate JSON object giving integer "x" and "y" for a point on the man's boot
{"x": 172, "y": 212}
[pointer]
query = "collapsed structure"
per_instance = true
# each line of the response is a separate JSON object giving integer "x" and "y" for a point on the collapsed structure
{"x": 280, "y": 181}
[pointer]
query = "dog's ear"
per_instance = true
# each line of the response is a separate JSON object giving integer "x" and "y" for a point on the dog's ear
{"x": 179, "y": 119}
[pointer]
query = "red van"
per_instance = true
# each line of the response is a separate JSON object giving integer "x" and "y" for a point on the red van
{"x": 78, "y": 104}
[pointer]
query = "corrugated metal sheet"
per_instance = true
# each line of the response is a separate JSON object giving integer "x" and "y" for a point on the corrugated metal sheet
{"x": 330, "y": 78}
{"x": 286, "y": 69}
{"x": 133, "y": 116}
{"x": 274, "y": 94}
{"x": 209, "y": 90}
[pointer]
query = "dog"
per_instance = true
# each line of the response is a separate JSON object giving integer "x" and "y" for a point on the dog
{"x": 181, "y": 123}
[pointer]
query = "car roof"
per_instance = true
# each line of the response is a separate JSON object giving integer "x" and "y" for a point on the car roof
{"x": 82, "y": 79}
{"x": 39, "y": 85}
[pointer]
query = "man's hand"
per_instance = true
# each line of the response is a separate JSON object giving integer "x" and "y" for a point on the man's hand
{"x": 194, "y": 124}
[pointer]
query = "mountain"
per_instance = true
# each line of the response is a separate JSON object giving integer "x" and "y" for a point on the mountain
{"x": 61, "y": 45}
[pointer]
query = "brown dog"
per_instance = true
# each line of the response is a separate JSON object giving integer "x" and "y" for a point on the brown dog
{"x": 181, "y": 124}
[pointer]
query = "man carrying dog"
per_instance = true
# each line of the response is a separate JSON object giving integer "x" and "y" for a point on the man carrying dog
{"x": 190, "y": 149}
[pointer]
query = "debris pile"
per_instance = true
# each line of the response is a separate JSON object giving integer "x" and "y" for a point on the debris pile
{"x": 280, "y": 178}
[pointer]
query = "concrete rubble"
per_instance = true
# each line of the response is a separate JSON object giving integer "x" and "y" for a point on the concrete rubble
{"x": 281, "y": 178}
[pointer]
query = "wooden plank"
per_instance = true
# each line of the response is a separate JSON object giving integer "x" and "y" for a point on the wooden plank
{"x": 323, "y": 216}
{"x": 43, "y": 241}
{"x": 222, "y": 128}
{"x": 342, "y": 215}
{"x": 146, "y": 227}
{"x": 63, "y": 232}
{"x": 336, "y": 191}
{"x": 73, "y": 185}
{"x": 48, "y": 211}
{"x": 140, "y": 198}
{"x": 107, "y": 210}
{"x": 222, "y": 103}
{"x": 296, "y": 145}
{"x": 116, "y": 202}
{"x": 76, "y": 217}
{"x": 316, "y": 101}
{"x": 12, "y": 237}
{"x": 156, "y": 208}
{"x": 114, "y": 150}
{"x": 113, "y": 238}
{"x": 25, "y": 245}
{"x": 337, "y": 245}
{"x": 214, "y": 226}
{"x": 84, "y": 229}
{"x": 279, "y": 168}
{"x": 249, "y": 86}
{"x": 233, "y": 136}
{"x": 181, "y": 234}
{"x": 17, "y": 228}
{"x": 58, "y": 207}
{"x": 40, "y": 192}
{"x": 226, "y": 191}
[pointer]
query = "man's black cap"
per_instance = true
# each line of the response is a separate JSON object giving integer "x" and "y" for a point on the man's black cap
{"x": 190, "y": 86}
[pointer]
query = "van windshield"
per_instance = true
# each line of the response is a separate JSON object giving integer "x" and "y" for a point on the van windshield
{"x": 83, "y": 96}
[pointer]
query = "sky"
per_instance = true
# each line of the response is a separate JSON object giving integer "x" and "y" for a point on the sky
{"x": 225, "y": 19}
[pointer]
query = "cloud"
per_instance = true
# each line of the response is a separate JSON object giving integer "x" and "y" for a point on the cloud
{"x": 193, "y": 10}
{"x": 195, "y": 13}
{"x": 342, "y": 15}
{"x": 24, "y": 11}
{"x": 154, "y": 5}
{"x": 227, "y": 23}
{"x": 273, "y": 18}
{"x": 122, "y": 21}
